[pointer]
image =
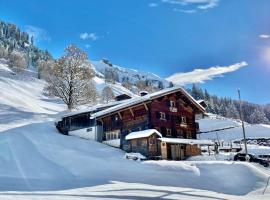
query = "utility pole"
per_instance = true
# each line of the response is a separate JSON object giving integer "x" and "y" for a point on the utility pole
{"x": 243, "y": 125}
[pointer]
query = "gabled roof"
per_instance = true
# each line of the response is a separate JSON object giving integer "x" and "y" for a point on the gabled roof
{"x": 142, "y": 134}
{"x": 146, "y": 98}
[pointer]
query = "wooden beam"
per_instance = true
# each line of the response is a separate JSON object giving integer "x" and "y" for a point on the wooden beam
{"x": 146, "y": 108}
{"x": 131, "y": 112}
{"x": 120, "y": 115}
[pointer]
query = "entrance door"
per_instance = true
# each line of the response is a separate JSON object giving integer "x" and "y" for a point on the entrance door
{"x": 177, "y": 152}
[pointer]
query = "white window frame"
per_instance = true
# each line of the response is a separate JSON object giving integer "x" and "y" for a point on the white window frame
{"x": 172, "y": 104}
{"x": 184, "y": 120}
{"x": 162, "y": 115}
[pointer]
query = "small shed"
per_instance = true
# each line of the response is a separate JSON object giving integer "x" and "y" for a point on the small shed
{"x": 179, "y": 149}
{"x": 145, "y": 142}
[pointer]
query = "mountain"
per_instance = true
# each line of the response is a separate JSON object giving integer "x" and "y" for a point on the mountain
{"x": 125, "y": 73}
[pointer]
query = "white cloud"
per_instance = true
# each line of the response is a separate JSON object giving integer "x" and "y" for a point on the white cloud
{"x": 209, "y": 4}
{"x": 264, "y": 36}
{"x": 194, "y": 4}
{"x": 38, "y": 34}
{"x": 202, "y": 75}
{"x": 88, "y": 36}
{"x": 153, "y": 5}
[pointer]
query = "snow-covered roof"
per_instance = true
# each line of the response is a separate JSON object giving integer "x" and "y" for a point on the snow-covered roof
{"x": 148, "y": 97}
{"x": 186, "y": 141}
{"x": 142, "y": 134}
{"x": 92, "y": 108}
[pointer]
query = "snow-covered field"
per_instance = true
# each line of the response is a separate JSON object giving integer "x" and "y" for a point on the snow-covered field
{"x": 38, "y": 163}
{"x": 232, "y": 129}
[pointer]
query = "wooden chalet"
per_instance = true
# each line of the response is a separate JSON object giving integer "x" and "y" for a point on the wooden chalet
{"x": 171, "y": 112}
{"x": 79, "y": 123}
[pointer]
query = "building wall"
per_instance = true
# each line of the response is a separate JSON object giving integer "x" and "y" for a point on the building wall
{"x": 173, "y": 119}
{"x": 126, "y": 121}
{"x": 140, "y": 118}
{"x": 192, "y": 150}
{"x": 91, "y": 133}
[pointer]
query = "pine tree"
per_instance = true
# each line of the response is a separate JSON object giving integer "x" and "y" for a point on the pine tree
{"x": 258, "y": 117}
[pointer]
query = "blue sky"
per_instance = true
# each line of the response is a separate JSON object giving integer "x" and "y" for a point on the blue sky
{"x": 161, "y": 36}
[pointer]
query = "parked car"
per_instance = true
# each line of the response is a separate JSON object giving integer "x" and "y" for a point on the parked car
{"x": 252, "y": 158}
{"x": 265, "y": 157}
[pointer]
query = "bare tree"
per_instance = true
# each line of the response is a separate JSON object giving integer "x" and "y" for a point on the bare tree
{"x": 18, "y": 60}
{"x": 3, "y": 52}
{"x": 70, "y": 76}
{"x": 107, "y": 94}
{"x": 43, "y": 67}
{"x": 91, "y": 92}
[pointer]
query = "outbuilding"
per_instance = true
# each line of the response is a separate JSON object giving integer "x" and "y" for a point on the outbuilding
{"x": 145, "y": 142}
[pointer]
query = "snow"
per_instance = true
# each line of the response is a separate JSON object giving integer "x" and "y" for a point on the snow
{"x": 142, "y": 134}
{"x": 22, "y": 99}
{"x": 112, "y": 143}
{"x": 39, "y": 163}
{"x": 133, "y": 75}
{"x": 149, "y": 97}
{"x": 215, "y": 122}
{"x": 257, "y": 150}
{"x": 220, "y": 128}
{"x": 186, "y": 141}
{"x": 135, "y": 156}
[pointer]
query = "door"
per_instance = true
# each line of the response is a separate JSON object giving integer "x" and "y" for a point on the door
{"x": 177, "y": 152}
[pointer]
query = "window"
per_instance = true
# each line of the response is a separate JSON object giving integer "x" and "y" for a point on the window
{"x": 168, "y": 132}
{"x": 112, "y": 135}
{"x": 139, "y": 142}
{"x": 162, "y": 116}
{"x": 172, "y": 103}
{"x": 183, "y": 120}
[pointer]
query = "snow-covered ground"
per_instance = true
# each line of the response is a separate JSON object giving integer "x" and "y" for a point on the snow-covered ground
{"x": 232, "y": 130}
{"x": 36, "y": 162}
{"x": 22, "y": 100}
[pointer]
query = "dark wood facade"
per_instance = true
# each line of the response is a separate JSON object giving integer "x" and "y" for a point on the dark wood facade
{"x": 173, "y": 115}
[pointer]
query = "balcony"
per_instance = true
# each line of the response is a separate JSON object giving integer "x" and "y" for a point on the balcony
{"x": 173, "y": 109}
{"x": 183, "y": 124}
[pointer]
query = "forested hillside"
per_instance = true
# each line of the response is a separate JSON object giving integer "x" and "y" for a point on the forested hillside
{"x": 227, "y": 107}
{"x": 18, "y": 47}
